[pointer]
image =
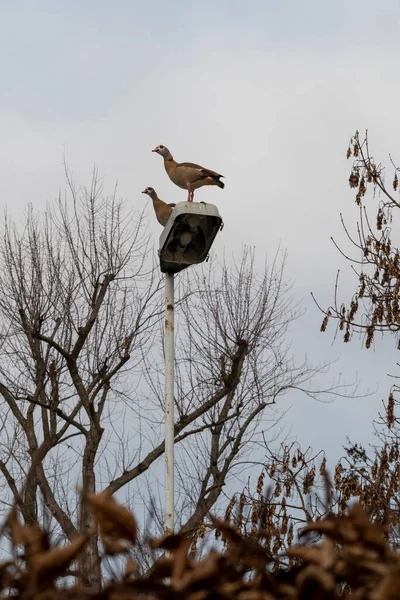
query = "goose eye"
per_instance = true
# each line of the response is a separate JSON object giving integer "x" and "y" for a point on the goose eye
{"x": 161, "y": 147}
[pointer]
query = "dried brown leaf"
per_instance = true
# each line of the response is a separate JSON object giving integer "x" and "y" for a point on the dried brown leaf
{"x": 314, "y": 574}
{"x": 254, "y": 595}
{"x": 388, "y": 588}
{"x": 17, "y": 531}
{"x": 306, "y": 553}
{"x": 162, "y": 568}
{"x": 52, "y": 564}
{"x": 114, "y": 520}
{"x": 36, "y": 541}
{"x": 169, "y": 542}
{"x": 131, "y": 568}
{"x": 112, "y": 547}
{"x": 228, "y": 532}
{"x": 230, "y": 589}
{"x": 327, "y": 527}
{"x": 181, "y": 561}
{"x": 371, "y": 533}
{"x": 207, "y": 572}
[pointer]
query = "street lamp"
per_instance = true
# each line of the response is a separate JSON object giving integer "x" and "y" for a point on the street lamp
{"x": 186, "y": 240}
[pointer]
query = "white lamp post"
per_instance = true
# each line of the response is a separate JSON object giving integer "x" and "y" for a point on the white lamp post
{"x": 186, "y": 240}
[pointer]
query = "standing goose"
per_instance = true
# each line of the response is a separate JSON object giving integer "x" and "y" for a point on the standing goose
{"x": 186, "y": 175}
{"x": 162, "y": 209}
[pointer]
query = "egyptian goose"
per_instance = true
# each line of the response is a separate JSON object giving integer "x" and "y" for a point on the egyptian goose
{"x": 162, "y": 209}
{"x": 188, "y": 176}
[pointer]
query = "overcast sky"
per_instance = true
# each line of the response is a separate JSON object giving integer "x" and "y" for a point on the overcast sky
{"x": 266, "y": 92}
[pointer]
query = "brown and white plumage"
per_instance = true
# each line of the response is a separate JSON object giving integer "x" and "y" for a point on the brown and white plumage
{"x": 186, "y": 175}
{"x": 162, "y": 209}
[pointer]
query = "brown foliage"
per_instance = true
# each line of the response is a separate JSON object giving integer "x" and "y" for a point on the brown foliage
{"x": 41, "y": 565}
{"x": 115, "y": 522}
{"x": 351, "y": 559}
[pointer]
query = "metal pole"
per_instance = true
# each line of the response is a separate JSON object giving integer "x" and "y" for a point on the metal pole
{"x": 169, "y": 402}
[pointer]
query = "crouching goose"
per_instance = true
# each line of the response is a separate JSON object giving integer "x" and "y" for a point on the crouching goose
{"x": 186, "y": 175}
{"x": 162, "y": 209}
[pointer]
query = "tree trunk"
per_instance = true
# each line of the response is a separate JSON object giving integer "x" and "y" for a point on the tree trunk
{"x": 89, "y": 562}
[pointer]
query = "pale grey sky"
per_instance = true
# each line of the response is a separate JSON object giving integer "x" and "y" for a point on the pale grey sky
{"x": 266, "y": 92}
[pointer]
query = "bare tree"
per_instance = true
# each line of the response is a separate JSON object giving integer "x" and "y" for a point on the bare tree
{"x": 81, "y": 374}
{"x": 235, "y": 342}
{"x": 234, "y": 363}
{"x": 76, "y": 300}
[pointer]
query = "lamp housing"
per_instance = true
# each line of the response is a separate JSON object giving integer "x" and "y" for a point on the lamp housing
{"x": 188, "y": 235}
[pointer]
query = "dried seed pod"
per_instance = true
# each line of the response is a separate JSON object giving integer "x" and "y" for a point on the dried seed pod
{"x": 324, "y": 323}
